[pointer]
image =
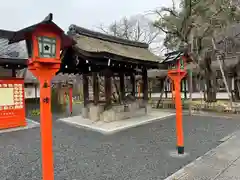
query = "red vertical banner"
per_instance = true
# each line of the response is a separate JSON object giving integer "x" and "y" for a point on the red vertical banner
{"x": 70, "y": 99}
{"x": 12, "y": 103}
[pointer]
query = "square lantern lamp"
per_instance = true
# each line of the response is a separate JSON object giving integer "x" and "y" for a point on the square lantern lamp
{"x": 44, "y": 41}
{"x": 46, "y": 47}
{"x": 178, "y": 64}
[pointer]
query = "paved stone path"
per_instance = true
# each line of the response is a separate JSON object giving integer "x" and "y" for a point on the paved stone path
{"x": 141, "y": 153}
{"x": 221, "y": 163}
{"x": 117, "y": 126}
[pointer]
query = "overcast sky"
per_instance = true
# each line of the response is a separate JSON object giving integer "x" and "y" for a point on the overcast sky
{"x": 16, "y": 14}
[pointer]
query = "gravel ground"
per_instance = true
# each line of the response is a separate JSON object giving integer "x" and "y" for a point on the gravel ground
{"x": 140, "y": 153}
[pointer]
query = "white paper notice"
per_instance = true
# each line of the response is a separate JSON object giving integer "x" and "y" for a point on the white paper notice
{"x": 6, "y": 96}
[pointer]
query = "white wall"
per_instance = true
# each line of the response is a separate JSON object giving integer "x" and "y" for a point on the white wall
{"x": 197, "y": 95}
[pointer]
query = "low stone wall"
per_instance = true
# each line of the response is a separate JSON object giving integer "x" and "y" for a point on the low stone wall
{"x": 116, "y": 112}
{"x": 200, "y": 106}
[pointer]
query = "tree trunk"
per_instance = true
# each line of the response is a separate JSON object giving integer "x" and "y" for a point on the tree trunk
{"x": 237, "y": 89}
{"x": 210, "y": 81}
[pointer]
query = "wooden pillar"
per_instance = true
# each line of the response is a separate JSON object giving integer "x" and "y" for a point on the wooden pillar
{"x": 145, "y": 84}
{"x": 122, "y": 85}
{"x": 95, "y": 89}
{"x": 108, "y": 87}
{"x": 85, "y": 90}
{"x": 185, "y": 88}
{"x": 133, "y": 82}
{"x": 13, "y": 72}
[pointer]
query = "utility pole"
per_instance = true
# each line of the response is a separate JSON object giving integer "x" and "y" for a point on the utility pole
{"x": 222, "y": 72}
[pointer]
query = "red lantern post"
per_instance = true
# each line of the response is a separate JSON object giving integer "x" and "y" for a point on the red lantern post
{"x": 176, "y": 74}
{"x": 44, "y": 40}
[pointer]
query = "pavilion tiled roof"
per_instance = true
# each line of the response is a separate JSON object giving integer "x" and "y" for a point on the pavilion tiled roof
{"x": 16, "y": 50}
{"x": 95, "y": 42}
{"x": 12, "y": 53}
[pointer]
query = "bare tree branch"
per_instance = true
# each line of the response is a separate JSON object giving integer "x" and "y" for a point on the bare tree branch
{"x": 169, "y": 10}
{"x": 101, "y": 27}
{"x": 136, "y": 28}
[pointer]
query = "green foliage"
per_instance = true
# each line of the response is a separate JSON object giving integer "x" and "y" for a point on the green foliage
{"x": 35, "y": 112}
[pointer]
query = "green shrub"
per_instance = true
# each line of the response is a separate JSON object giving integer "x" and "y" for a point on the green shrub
{"x": 35, "y": 112}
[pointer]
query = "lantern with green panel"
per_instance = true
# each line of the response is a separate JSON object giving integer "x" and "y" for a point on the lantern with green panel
{"x": 47, "y": 47}
{"x": 176, "y": 61}
{"x": 181, "y": 63}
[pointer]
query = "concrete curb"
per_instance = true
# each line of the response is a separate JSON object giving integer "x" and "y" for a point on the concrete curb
{"x": 33, "y": 124}
{"x": 116, "y": 129}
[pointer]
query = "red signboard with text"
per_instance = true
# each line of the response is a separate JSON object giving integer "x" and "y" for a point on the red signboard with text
{"x": 12, "y": 103}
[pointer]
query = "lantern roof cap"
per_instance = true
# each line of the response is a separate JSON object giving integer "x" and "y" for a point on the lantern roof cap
{"x": 22, "y": 34}
{"x": 173, "y": 56}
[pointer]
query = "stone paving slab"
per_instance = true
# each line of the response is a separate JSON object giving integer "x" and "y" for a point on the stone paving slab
{"x": 232, "y": 173}
{"x": 30, "y": 124}
{"x": 214, "y": 163}
{"x": 116, "y": 126}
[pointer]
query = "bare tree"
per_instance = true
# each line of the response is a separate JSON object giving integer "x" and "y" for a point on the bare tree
{"x": 136, "y": 28}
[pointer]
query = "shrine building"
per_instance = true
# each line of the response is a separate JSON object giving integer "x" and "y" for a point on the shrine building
{"x": 101, "y": 60}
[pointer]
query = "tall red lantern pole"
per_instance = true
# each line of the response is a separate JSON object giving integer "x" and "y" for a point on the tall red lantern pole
{"x": 176, "y": 76}
{"x": 45, "y": 74}
{"x": 44, "y": 41}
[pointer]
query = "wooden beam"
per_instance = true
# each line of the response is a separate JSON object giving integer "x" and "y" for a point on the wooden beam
{"x": 95, "y": 56}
